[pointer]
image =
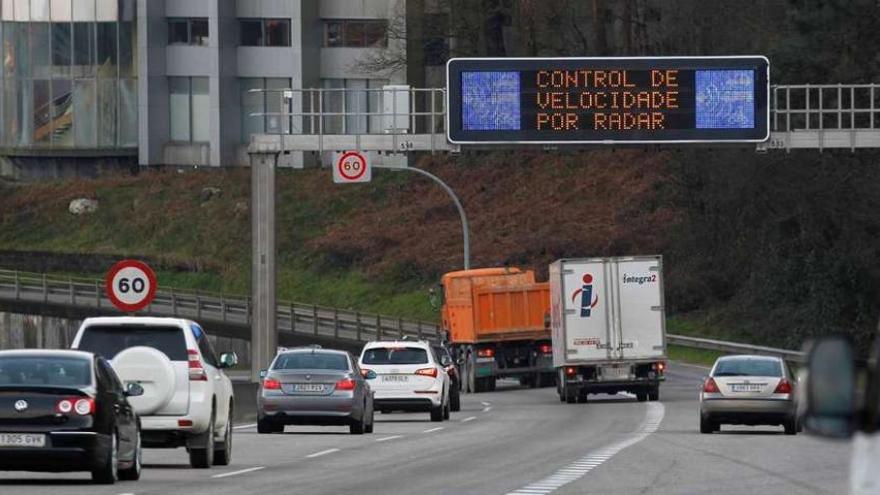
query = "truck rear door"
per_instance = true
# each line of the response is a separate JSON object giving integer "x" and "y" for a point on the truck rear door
{"x": 584, "y": 295}
{"x": 639, "y": 306}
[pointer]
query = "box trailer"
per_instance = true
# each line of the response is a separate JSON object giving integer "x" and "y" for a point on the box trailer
{"x": 608, "y": 326}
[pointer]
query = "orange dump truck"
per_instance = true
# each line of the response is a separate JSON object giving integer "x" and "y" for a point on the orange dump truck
{"x": 496, "y": 323}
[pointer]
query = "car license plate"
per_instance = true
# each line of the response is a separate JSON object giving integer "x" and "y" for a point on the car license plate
{"x": 22, "y": 440}
{"x": 746, "y": 387}
{"x": 395, "y": 378}
{"x": 308, "y": 387}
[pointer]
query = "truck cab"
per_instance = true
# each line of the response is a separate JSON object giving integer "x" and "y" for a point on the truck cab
{"x": 843, "y": 402}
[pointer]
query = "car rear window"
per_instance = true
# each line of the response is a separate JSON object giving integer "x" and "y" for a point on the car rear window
{"x": 110, "y": 340}
{"x": 311, "y": 361}
{"x": 748, "y": 367}
{"x": 395, "y": 355}
{"x": 48, "y": 371}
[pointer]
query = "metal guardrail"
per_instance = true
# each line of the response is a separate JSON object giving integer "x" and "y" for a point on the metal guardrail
{"x": 302, "y": 319}
{"x": 734, "y": 348}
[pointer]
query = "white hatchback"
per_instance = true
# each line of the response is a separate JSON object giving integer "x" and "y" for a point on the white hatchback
{"x": 410, "y": 377}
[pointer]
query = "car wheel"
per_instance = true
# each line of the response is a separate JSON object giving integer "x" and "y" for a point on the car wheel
{"x": 357, "y": 428}
{"x": 706, "y": 426}
{"x": 791, "y": 427}
{"x": 106, "y": 474}
{"x": 223, "y": 454}
{"x": 203, "y": 456}
{"x": 446, "y": 410}
{"x": 133, "y": 473}
{"x": 372, "y": 417}
{"x": 437, "y": 414}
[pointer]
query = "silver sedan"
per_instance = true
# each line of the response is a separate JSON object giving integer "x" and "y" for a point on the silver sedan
{"x": 314, "y": 386}
{"x": 748, "y": 390}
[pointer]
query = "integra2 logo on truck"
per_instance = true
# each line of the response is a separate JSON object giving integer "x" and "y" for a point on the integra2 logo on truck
{"x": 639, "y": 279}
{"x": 588, "y": 302}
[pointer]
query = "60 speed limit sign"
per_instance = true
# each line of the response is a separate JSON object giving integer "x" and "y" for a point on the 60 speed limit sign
{"x": 351, "y": 167}
{"x": 130, "y": 285}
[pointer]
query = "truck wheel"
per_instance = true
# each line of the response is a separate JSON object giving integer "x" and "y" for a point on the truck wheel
{"x": 471, "y": 381}
{"x": 455, "y": 399}
{"x": 654, "y": 393}
{"x": 490, "y": 384}
{"x": 570, "y": 395}
{"x": 642, "y": 395}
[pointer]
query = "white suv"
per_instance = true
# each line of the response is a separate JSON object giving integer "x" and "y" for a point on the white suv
{"x": 410, "y": 377}
{"x": 187, "y": 400}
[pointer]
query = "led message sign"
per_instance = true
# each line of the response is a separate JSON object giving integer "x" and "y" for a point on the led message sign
{"x": 608, "y": 100}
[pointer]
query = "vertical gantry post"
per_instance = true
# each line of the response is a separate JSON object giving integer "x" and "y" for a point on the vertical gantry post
{"x": 264, "y": 331}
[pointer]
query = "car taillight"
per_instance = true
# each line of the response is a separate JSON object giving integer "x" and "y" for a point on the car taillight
{"x": 570, "y": 371}
{"x": 784, "y": 387}
{"x": 659, "y": 367}
{"x": 82, "y": 406}
{"x": 710, "y": 387}
{"x": 271, "y": 384}
{"x": 432, "y": 372}
{"x": 546, "y": 349}
{"x": 486, "y": 353}
{"x": 345, "y": 384}
{"x": 196, "y": 368}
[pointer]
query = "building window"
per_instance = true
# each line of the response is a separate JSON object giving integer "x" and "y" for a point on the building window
{"x": 356, "y": 99}
{"x": 264, "y": 112}
{"x": 355, "y": 33}
{"x": 265, "y": 32}
{"x": 189, "y": 109}
{"x": 188, "y": 31}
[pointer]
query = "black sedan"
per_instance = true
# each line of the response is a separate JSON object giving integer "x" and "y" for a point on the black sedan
{"x": 67, "y": 411}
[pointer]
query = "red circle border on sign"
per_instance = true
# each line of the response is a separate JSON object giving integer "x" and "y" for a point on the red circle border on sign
{"x": 347, "y": 154}
{"x": 108, "y": 285}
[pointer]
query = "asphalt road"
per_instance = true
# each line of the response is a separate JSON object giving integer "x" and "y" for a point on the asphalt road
{"x": 510, "y": 441}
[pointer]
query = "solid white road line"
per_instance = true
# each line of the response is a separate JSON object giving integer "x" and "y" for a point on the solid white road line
{"x": 576, "y": 470}
{"x": 323, "y": 452}
{"x": 432, "y": 430}
{"x": 392, "y": 437}
{"x": 465, "y": 420}
{"x": 233, "y": 473}
{"x": 241, "y": 427}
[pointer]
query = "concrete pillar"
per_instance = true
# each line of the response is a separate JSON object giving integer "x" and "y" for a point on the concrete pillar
{"x": 264, "y": 332}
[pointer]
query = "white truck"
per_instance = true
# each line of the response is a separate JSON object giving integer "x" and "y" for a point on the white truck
{"x": 608, "y": 326}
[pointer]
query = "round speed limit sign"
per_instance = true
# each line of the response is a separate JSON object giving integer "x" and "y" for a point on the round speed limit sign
{"x": 351, "y": 167}
{"x": 130, "y": 285}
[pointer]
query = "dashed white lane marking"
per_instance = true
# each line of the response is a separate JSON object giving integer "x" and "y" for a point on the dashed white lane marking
{"x": 432, "y": 430}
{"x": 242, "y": 427}
{"x": 576, "y": 470}
{"x": 323, "y": 452}
{"x": 486, "y": 403}
{"x": 392, "y": 437}
{"x": 465, "y": 420}
{"x": 243, "y": 471}
{"x": 487, "y": 409}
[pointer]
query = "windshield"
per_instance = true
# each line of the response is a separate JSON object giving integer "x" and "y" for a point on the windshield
{"x": 748, "y": 367}
{"x": 395, "y": 355}
{"x": 46, "y": 371}
{"x": 311, "y": 361}
{"x": 108, "y": 341}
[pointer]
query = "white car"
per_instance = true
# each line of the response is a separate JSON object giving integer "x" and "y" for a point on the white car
{"x": 410, "y": 377}
{"x": 188, "y": 400}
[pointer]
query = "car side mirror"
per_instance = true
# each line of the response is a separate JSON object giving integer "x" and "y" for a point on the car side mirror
{"x": 134, "y": 390}
{"x": 831, "y": 388}
{"x": 369, "y": 374}
{"x": 263, "y": 374}
{"x": 228, "y": 360}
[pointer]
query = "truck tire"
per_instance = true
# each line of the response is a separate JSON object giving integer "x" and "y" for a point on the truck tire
{"x": 470, "y": 375}
{"x": 490, "y": 384}
{"x": 582, "y": 396}
{"x": 654, "y": 393}
{"x": 570, "y": 395}
{"x": 642, "y": 395}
